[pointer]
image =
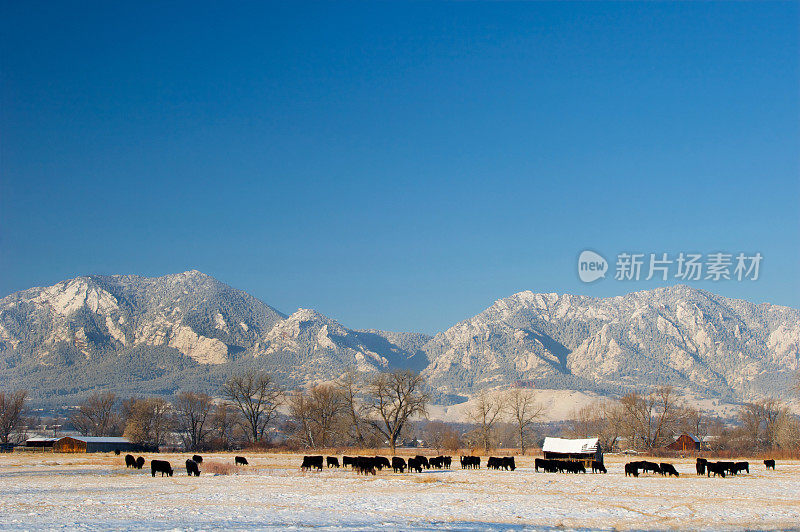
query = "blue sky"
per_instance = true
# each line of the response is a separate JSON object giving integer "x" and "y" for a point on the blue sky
{"x": 397, "y": 166}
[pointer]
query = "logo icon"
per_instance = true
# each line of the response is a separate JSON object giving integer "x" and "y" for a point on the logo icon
{"x": 591, "y": 266}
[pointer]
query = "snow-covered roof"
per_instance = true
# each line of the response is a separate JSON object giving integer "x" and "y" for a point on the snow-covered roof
{"x": 562, "y": 445}
{"x": 100, "y": 439}
{"x": 36, "y": 440}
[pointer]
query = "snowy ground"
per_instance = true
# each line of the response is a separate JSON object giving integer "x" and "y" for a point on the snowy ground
{"x": 47, "y": 491}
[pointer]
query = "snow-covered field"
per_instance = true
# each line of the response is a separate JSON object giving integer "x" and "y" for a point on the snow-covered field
{"x": 46, "y": 491}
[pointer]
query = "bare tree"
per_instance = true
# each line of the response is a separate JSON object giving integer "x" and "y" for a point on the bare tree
{"x": 651, "y": 419}
{"x": 354, "y": 410}
{"x": 97, "y": 415}
{"x": 12, "y": 413}
{"x": 485, "y": 413}
{"x": 603, "y": 420}
{"x": 761, "y": 422}
{"x": 524, "y": 411}
{"x": 149, "y": 421}
{"x": 695, "y": 421}
{"x": 224, "y": 421}
{"x": 257, "y": 396}
{"x": 392, "y": 399}
{"x": 192, "y": 411}
{"x": 318, "y": 413}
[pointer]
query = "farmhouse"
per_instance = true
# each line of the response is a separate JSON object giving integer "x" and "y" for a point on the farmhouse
{"x": 92, "y": 444}
{"x": 585, "y": 450}
{"x": 685, "y": 442}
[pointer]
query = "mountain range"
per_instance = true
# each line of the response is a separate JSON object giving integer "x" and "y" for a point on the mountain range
{"x": 137, "y": 335}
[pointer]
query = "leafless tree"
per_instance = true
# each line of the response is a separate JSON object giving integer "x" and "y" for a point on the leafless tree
{"x": 224, "y": 421}
{"x": 97, "y": 415}
{"x": 392, "y": 399}
{"x": 149, "y": 421}
{"x": 192, "y": 412}
{"x": 761, "y": 422}
{"x": 651, "y": 419}
{"x": 349, "y": 386}
{"x": 523, "y": 411}
{"x": 318, "y": 413}
{"x": 485, "y": 413}
{"x": 695, "y": 421}
{"x": 257, "y": 396}
{"x": 12, "y": 413}
{"x": 600, "y": 419}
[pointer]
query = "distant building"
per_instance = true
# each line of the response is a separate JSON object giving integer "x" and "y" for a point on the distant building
{"x": 39, "y": 444}
{"x": 94, "y": 444}
{"x": 685, "y": 442}
{"x": 584, "y": 450}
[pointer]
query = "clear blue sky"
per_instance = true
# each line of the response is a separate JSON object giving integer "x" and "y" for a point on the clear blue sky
{"x": 397, "y": 166}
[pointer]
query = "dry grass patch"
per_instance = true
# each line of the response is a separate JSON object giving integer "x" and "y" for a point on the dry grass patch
{"x": 218, "y": 468}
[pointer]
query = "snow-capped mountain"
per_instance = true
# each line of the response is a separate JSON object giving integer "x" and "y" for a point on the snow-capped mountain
{"x": 155, "y": 335}
{"x": 681, "y": 336}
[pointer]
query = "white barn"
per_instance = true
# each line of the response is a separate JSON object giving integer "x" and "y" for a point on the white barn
{"x": 582, "y": 450}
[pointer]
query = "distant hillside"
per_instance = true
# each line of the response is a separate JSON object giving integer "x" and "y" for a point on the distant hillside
{"x": 140, "y": 335}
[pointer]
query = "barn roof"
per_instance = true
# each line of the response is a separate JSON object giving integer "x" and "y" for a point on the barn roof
{"x": 562, "y": 445}
{"x": 42, "y": 439}
{"x": 99, "y": 439}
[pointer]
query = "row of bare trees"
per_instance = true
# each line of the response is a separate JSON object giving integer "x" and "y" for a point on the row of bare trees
{"x": 651, "y": 421}
{"x": 517, "y": 407}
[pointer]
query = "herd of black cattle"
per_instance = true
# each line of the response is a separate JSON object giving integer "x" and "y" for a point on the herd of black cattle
{"x": 368, "y": 465}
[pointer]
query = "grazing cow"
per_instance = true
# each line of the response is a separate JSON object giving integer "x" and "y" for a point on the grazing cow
{"x": 240, "y": 460}
{"x": 539, "y": 462}
{"x": 332, "y": 461}
{"x": 448, "y": 461}
{"x": 117, "y": 452}
{"x": 160, "y": 466}
{"x": 770, "y": 463}
{"x": 192, "y": 469}
{"x": 668, "y": 469}
{"x": 741, "y": 466}
{"x": 437, "y": 462}
{"x": 140, "y": 462}
{"x": 729, "y": 467}
{"x": 507, "y": 463}
{"x": 718, "y": 468}
{"x": 493, "y": 463}
{"x": 311, "y": 462}
{"x": 632, "y": 469}
{"x": 470, "y": 462}
{"x": 398, "y": 464}
{"x": 423, "y": 461}
{"x": 197, "y": 458}
{"x": 365, "y": 465}
{"x": 348, "y": 461}
{"x": 598, "y": 467}
{"x": 130, "y": 461}
{"x": 701, "y": 466}
{"x": 414, "y": 465}
{"x": 650, "y": 466}
{"x": 381, "y": 462}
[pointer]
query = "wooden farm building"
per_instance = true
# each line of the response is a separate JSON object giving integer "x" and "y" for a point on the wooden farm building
{"x": 585, "y": 450}
{"x": 685, "y": 442}
{"x": 39, "y": 444}
{"x": 92, "y": 444}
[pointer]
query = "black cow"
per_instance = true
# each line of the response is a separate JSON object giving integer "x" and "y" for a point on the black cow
{"x": 331, "y": 461}
{"x": 414, "y": 465}
{"x": 729, "y": 467}
{"x": 140, "y": 462}
{"x": 650, "y": 466}
{"x": 668, "y": 469}
{"x": 240, "y": 460}
{"x": 448, "y": 461}
{"x": 770, "y": 463}
{"x": 160, "y": 466}
{"x": 598, "y": 467}
{"x": 311, "y": 462}
{"x": 632, "y": 469}
{"x": 718, "y": 468}
{"x": 192, "y": 469}
{"x": 381, "y": 462}
{"x": 701, "y": 466}
{"x": 741, "y": 466}
{"x": 470, "y": 462}
{"x": 437, "y": 462}
{"x": 423, "y": 461}
{"x": 398, "y": 464}
{"x": 197, "y": 458}
{"x": 117, "y": 452}
{"x": 130, "y": 461}
{"x": 348, "y": 461}
{"x": 493, "y": 463}
{"x": 507, "y": 463}
{"x": 365, "y": 465}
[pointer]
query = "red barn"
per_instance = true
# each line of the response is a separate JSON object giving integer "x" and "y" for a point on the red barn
{"x": 685, "y": 442}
